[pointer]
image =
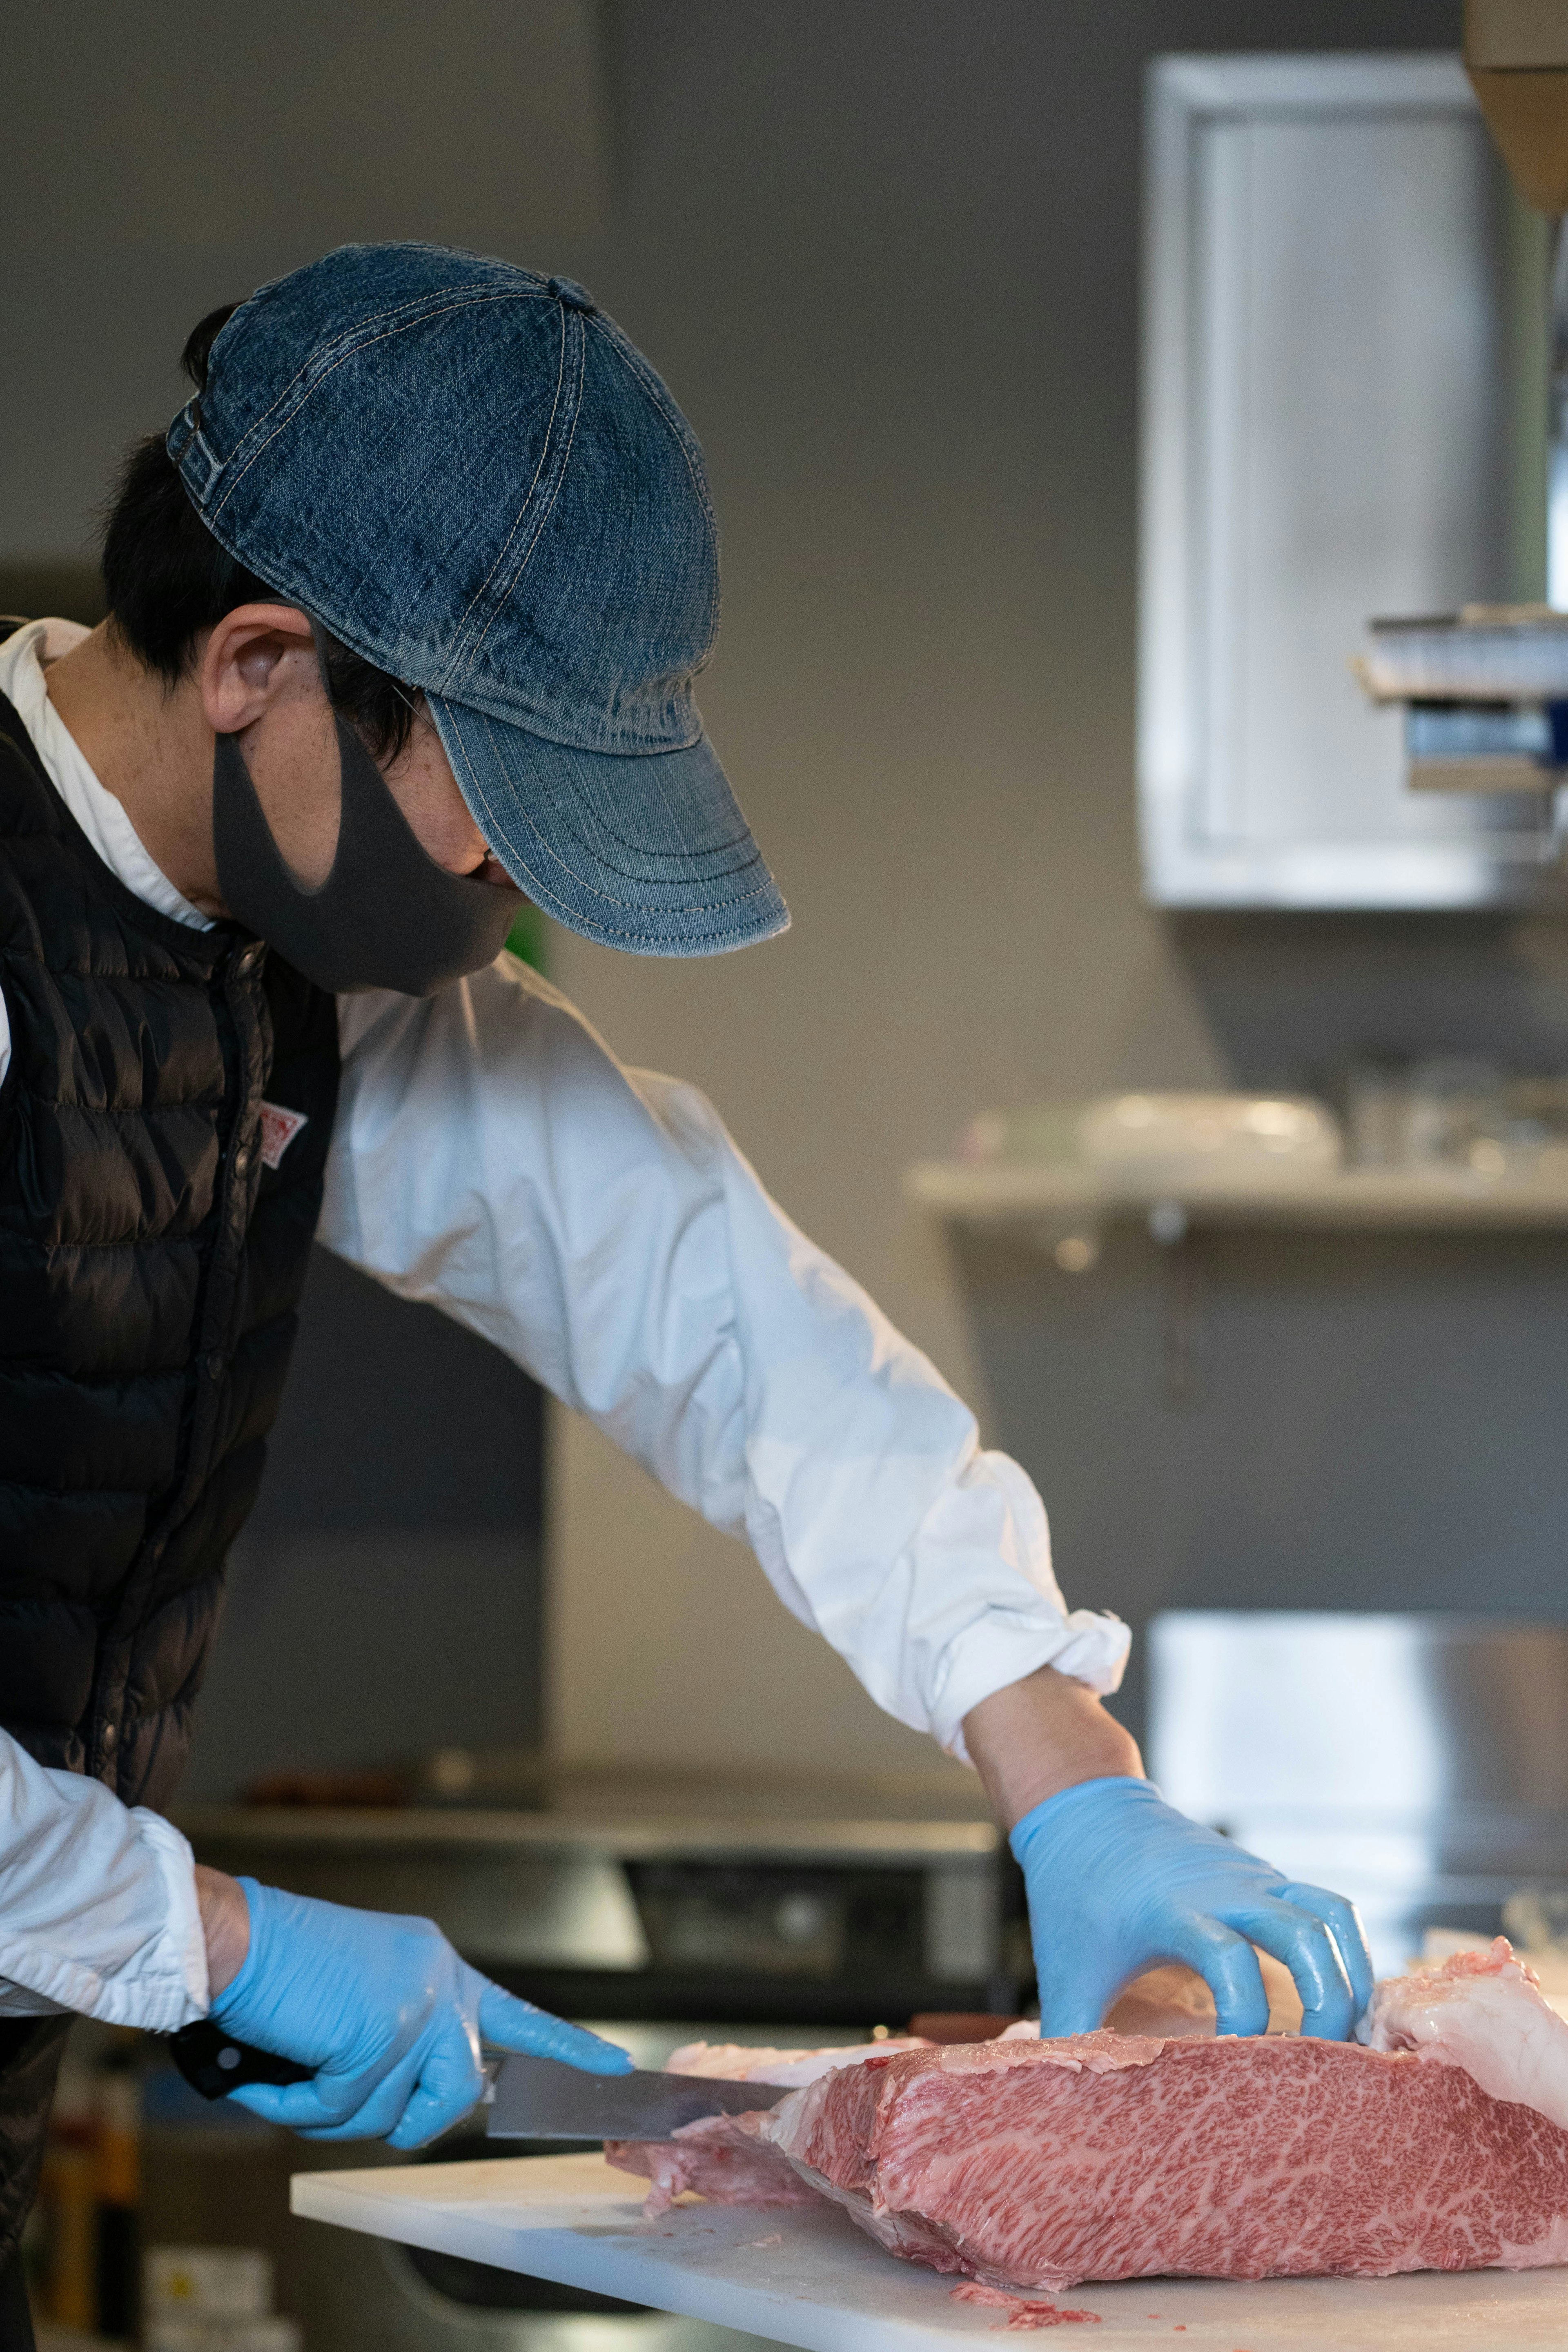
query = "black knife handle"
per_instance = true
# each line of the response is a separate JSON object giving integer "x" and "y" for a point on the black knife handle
{"x": 214, "y": 2062}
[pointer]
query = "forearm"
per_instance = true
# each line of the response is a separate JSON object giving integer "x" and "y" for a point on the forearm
{"x": 226, "y": 1926}
{"x": 1046, "y": 1733}
{"x": 97, "y": 1909}
{"x": 599, "y": 1224}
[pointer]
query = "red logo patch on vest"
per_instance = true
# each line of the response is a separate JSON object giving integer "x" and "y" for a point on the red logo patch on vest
{"x": 279, "y": 1129}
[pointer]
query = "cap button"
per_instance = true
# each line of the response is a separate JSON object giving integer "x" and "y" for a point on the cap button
{"x": 575, "y": 297}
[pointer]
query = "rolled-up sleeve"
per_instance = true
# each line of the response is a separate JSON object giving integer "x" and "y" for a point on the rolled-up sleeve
{"x": 98, "y": 1904}
{"x": 597, "y": 1224}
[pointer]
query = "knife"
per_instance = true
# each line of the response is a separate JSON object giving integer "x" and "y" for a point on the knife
{"x": 541, "y": 2098}
{"x": 215, "y": 2063}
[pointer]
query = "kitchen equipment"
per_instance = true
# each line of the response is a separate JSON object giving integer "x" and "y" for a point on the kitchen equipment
{"x": 1163, "y": 1138}
{"x": 655, "y": 1894}
{"x": 1419, "y": 1764}
{"x": 1170, "y": 1137}
{"x": 211, "y": 2299}
{"x": 805, "y": 2275}
{"x": 539, "y": 2098}
{"x": 1484, "y": 688}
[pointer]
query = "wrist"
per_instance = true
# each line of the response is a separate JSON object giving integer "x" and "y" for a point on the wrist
{"x": 1037, "y": 1737}
{"x": 226, "y": 1927}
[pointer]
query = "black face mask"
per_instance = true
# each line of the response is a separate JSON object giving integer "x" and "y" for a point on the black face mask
{"x": 386, "y": 916}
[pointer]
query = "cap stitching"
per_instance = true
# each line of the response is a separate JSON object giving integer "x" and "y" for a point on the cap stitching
{"x": 346, "y": 337}
{"x": 311, "y": 391}
{"x": 718, "y": 907}
{"x": 457, "y": 645}
{"x": 503, "y": 599}
{"x": 366, "y": 343}
{"x": 575, "y": 920}
{"x": 660, "y": 401}
{"x": 632, "y": 847}
{"x": 323, "y": 350}
{"x": 677, "y": 429}
{"x": 632, "y": 880}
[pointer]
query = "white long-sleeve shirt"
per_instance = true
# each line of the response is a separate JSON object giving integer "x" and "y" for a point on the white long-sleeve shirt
{"x": 597, "y": 1224}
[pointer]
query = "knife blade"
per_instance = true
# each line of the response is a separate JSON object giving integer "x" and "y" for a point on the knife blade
{"x": 541, "y": 2098}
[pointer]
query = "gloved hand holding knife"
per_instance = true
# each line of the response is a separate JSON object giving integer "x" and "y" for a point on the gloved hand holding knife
{"x": 381, "y": 2007}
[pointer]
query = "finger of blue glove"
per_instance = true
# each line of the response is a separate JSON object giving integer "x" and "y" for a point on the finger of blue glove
{"x": 512, "y": 2024}
{"x": 301, "y": 2107}
{"x": 384, "y": 2104}
{"x": 334, "y": 2105}
{"x": 451, "y": 2084}
{"x": 429, "y": 2113}
{"x": 1072, "y": 2001}
{"x": 1227, "y": 1965}
{"x": 386, "y": 2100}
{"x": 1301, "y": 1941}
{"x": 1343, "y": 1922}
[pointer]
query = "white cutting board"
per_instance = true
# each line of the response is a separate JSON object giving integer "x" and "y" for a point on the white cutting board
{"x": 805, "y": 2275}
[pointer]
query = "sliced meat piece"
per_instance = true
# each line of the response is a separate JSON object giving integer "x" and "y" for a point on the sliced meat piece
{"x": 735, "y": 2062}
{"x": 1020, "y": 2312}
{"x": 722, "y": 2157}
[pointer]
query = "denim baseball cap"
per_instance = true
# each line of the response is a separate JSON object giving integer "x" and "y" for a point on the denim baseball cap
{"x": 470, "y": 478}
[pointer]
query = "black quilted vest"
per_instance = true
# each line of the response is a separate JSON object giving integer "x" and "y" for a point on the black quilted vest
{"x": 150, "y": 1264}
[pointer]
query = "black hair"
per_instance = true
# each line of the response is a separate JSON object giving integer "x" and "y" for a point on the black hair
{"x": 166, "y": 580}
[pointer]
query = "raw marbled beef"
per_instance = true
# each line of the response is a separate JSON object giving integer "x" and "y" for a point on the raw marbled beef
{"x": 1113, "y": 2155}
{"x": 725, "y": 2159}
{"x": 1041, "y": 2164}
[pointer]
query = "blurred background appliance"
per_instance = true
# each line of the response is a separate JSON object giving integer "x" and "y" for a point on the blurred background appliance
{"x": 658, "y": 1895}
{"x": 1484, "y": 690}
{"x": 1419, "y": 1764}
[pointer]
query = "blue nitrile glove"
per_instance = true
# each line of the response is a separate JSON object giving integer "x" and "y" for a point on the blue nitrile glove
{"x": 1118, "y": 1882}
{"x": 387, "y": 2013}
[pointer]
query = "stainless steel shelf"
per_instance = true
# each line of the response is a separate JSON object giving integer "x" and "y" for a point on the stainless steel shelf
{"x": 623, "y": 1837}
{"x": 1052, "y": 1198}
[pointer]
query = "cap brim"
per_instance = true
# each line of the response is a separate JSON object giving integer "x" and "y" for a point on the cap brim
{"x": 645, "y": 852}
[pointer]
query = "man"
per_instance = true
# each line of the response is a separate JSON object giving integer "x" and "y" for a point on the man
{"x": 404, "y": 619}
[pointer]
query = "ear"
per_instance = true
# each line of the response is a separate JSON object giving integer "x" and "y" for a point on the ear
{"x": 250, "y": 656}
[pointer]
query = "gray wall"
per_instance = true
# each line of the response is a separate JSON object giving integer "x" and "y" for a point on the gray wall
{"x": 386, "y": 1597}
{"x": 887, "y": 256}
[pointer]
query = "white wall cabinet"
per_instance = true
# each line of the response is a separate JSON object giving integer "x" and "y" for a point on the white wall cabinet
{"x": 1341, "y": 418}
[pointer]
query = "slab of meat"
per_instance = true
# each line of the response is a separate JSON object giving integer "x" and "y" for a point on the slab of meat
{"x": 1030, "y": 2164}
{"x": 1111, "y": 2156}
{"x": 724, "y": 2158}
